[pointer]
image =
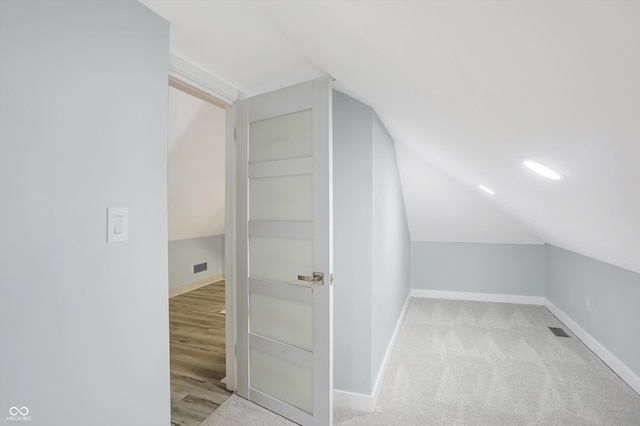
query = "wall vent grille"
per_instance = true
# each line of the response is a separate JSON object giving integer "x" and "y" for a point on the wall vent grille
{"x": 200, "y": 267}
{"x": 558, "y": 332}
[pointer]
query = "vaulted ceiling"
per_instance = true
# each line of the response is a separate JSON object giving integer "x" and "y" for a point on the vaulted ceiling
{"x": 466, "y": 89}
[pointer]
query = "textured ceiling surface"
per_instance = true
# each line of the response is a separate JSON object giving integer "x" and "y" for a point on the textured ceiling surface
{"x": 466, "y": 89}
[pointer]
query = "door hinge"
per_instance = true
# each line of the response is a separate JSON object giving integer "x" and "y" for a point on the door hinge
{"x": 235, "y": 135}
{"x": 331, "y": 279}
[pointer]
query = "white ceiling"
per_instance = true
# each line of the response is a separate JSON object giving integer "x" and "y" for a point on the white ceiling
{"x": 465, "y": 88}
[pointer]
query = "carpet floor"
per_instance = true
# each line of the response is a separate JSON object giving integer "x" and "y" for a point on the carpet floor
{"x": 237, "y": 411}
{"x": 480, "y": 363}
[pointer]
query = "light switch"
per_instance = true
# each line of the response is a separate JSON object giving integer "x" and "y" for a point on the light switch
{"x": 117, "y": 224}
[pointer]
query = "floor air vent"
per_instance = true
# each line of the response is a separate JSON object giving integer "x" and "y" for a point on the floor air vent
{"x": 558, "y": 332}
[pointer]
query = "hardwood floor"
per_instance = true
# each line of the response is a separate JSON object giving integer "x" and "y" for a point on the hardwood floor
{"x": 197, "y": 342}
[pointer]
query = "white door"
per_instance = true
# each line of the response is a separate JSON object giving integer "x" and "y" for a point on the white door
{"x": 284, "y": 259}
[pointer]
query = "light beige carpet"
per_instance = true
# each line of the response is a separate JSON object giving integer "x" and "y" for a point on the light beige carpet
{"x": 237, "y": 411}
{"x": 480, "y": 363}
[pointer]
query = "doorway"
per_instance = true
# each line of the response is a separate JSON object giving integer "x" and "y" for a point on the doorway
{"x": 196, "y": 247}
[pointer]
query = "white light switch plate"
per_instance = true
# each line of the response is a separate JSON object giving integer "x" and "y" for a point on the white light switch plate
{"x": 117, "y": 224}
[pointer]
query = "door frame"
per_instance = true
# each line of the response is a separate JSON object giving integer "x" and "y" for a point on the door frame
{"x": 197, "y": 82}
{"x": 200, "y": 83}
{"x": 230, "y": 298}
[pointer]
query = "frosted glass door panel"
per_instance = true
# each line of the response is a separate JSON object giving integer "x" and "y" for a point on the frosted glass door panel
{"x": 282, "y": 320}
{"x": 280, "y": 259}
{"x": 284, "y": 380}
{"x": 279, "y": 138}
{"x": 282, "y": 198}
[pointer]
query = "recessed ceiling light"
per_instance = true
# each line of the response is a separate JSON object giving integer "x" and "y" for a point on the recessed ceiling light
{"x": 542, "y": 170}
{"x": 487, "y": 190}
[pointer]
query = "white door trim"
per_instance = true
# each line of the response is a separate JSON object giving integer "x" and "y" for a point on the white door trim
{"x": 230, "y": 250}
{"x": 185, "y": 76}
{"x": 199, "y": 82}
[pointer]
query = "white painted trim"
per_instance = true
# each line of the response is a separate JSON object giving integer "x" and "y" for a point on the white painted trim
{"x": 196, "y": 78}
{"x": 353, "y": 401}
{"x": 387, "y": 355}
{"x": 292, "y": 354}
{"x": 230, "y": 297}
{"x": 295, "y": 166}
{"x": 625, "y": 373}
{"x": 480, "y": 297}
{"x": 281, "y": 408}
{"x": 322, "y": 258}
{"x": 241, "y": 271}
{"x": 299, "y": 294}
{"x": 194, "y": 285}
{"x": 367, "y": 403}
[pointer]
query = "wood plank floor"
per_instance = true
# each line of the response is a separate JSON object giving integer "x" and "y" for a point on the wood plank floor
{"x": 197, "y": 342}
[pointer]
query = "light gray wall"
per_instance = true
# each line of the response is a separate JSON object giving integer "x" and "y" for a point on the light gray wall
{"x": 515, "y": 269}
{"x": 371, "y": 244}
{"x": 614, "y": 292}
{"x": 352, "y": 240}
{"x": 183, "y": 254}
{"x": 391, "y": 245}
{"x": 83, "y": 126}
{"x": 565, "y": 278}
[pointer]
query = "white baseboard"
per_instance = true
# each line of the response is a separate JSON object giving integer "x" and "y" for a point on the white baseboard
{"x": 387, "y": 355}
{"x": 353, "y": 401}
{"x": 367, "y": 403}
{"x": 479, "y": 297}
{"x": 194, "y": 285}
{"x": 625, "y": 373}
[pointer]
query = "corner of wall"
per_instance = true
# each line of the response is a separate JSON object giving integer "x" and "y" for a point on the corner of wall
{"x": 592, "y": 298}
{"x": 589, "y": 296}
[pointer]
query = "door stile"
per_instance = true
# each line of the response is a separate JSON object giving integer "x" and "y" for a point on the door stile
{"x": 323, "y": 249}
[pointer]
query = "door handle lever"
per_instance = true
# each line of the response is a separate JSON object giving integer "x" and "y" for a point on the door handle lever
{"x": 318, "y": 277}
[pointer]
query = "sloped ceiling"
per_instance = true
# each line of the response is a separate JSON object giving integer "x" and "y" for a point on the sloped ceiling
{"x": 465, "y": 89}
{"x": 195, "y": 167}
